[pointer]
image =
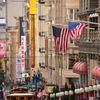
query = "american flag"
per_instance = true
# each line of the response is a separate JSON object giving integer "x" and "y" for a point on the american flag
{"x": 76, "y": 29}
{"x": 61, "y": 39}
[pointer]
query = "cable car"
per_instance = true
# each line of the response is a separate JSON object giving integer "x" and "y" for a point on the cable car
{"x": 20, "y": 93}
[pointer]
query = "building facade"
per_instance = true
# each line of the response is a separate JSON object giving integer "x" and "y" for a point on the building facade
{"x": 89, "y": 50}
{"x": 12, "y": 50}
{"x": 15, "y": 28}
{"x": 3, "y": 59}
{"x": 57, "y": 69}
{"x": 2, "y": 19}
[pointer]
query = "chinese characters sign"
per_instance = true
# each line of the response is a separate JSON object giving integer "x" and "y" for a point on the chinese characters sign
{"x": 23, "y": 49}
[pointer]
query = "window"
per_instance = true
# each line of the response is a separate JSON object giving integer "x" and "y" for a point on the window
{"x": 73, "y": 58}
{"x": 71, "y": 41}
{"x": 94, "y": 4}
{"x": 84, "y": 79}
{"x": 72, "y": 13}
{"x": 0, "y": 11}
{"x": 95, "y": 20}
{"x": 86, "y": 5}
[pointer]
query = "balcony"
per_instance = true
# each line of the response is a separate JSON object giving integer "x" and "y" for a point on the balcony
{"x": 89, "y": 42}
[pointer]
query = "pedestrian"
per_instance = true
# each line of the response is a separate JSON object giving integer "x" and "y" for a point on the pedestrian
{"x": 66, "y": 89}
{"x": 72, "y": 87}
{"x": 55, "y": 90}
{"x": 1, "y": 94}
{"x": 62, "y": 89}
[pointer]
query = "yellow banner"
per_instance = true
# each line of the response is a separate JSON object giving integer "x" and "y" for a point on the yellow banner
{"x": 32, "y": 6}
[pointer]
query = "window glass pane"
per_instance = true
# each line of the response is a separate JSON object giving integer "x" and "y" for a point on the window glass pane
{"x": 71, "y": 13}
{"x": 95, "y": 20}
{"x": 75, "y": 14}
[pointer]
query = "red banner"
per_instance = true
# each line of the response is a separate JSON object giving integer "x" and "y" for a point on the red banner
{"x": 2, "y": 48}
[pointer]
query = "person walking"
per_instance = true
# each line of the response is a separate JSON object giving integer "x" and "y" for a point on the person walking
{"x": 66, "y": 89}
{"x": 72, "y": 87}
{"x": 1, "y": 94}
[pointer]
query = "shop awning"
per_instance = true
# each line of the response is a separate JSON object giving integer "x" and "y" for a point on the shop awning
{"x": 96, "y": 71}
{"x": 80, "y": 67}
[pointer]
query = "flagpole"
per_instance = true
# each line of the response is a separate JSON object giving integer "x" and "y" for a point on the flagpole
{"x": 88, "y": 22}
{"x": 61, "y": 25}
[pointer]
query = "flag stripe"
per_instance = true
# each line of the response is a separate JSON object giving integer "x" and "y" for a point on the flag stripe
{"x": 66, "y": 40}
{"x": 56, "y": 43}
{"x": 60, "y": 40}
{"x": 82, "y": 28}
{"x": 63, "y": 41}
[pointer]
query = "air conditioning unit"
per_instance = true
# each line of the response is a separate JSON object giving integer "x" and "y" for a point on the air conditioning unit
{"x": 42, "y": 17}
{"x": 42, "y": 65}
{"x": 42, "y": 34}
{"x": 42, "y": 50}
{"x": 42, "y": 1}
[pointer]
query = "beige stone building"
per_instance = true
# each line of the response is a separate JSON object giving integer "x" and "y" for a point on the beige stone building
{"x": 14, "y": 10}
{"x": 89, "y": 43}
{"x": 90, "y": 50}
{"x": 12, "y": 50}
{"x": 55, "y": 12}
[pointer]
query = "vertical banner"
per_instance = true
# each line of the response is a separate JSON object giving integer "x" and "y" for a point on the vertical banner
{"x": 23, "y": 49}
{"x": 2, "y": 48}
{"x": 21, "y": 32}
{"x": 18, "y": 66}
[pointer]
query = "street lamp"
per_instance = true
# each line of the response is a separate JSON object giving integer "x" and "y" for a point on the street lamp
{"x": 94, "y": 87}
